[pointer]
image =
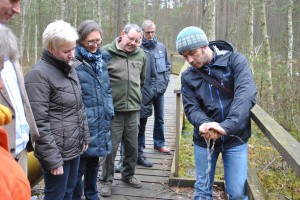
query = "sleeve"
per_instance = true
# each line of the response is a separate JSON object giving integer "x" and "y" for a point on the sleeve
{"x": 244, "y": 96}
{"x": 38, "y": 90}
{"x": 143, "y": 73}
{"x": 110, "y": 99}
{"x": 168, "y": 65}
{"x": 191, "y": 104}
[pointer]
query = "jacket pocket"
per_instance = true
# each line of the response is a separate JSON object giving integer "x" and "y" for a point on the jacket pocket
{"x": 135, "y": 69}
{"x": 160, "y": 62}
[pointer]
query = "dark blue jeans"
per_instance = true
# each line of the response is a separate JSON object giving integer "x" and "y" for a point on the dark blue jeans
{"x": 61, "y": 186}
{"x": 88, "y": 168}
{"x": 158, "y": 129}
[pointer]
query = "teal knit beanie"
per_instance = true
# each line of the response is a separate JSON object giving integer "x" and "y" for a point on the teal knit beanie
{"x": 190, "y": 38}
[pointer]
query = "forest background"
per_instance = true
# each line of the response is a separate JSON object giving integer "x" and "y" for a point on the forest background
{"x": 266, "y": 31}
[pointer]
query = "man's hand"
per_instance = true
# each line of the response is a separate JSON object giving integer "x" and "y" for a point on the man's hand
{"x": 211, "y": 130}
{"x": 58, "y": 171}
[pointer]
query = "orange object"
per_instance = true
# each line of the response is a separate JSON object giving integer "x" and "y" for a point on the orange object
{"x": 14, "y": 184}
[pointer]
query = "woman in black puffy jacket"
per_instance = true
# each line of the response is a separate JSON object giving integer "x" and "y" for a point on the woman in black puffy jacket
{"x": 55, "y": 97}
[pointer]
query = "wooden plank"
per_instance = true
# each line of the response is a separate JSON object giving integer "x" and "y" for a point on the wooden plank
{"x": 255, "y": 190}
{"x": 285, "y": 144}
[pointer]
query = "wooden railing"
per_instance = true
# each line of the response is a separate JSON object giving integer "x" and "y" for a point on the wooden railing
{"x": 285, "y": 144}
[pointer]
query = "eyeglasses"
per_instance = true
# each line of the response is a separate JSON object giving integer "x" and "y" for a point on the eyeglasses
{"x": 93, "y": 42}
{"x": 149, "y": 32}
{"x": 137, "y": 41}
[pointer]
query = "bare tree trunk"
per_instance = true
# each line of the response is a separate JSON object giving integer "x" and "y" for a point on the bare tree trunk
{"x": 119, "y": 15}
{"x": 35, "y": 43}
{"x": 98, "y": 15}
{"x": 128, "y": 11}
{"x": 290, "y": 39}
{"x": 123, "y": 11}
{"x": 75, "y": 13}
{"x": 226, "y": 18}
{"x": 26, "y": 5}
{"x": 62, "y": 8}
{"x": 211, "y": 33}
{"x": 145, "y": 9}
{"x": 250, "y": 34}
{"x": 116, "y": 12}
{"x": 197, "y": 12}
{"x": 267, "y": 55}
{"x": 156, "y": 5}
{"x": 233, "y": 22}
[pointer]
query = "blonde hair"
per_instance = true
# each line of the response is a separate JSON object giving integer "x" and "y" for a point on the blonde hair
{"x": 58, "y": 33}
{"x": 8, "y": 44}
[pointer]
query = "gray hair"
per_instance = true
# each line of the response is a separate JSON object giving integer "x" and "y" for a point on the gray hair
{"x": 86, "y": 27}
{"x": 128, "y": 27}
{"x": 8, "y": 44}
{"x": 148, "y": 23}
{"x": 57, "y": 33}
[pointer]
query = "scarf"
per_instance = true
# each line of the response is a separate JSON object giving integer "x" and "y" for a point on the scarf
{"x": 149, "y": 44}
{"x": 93, "y": 59}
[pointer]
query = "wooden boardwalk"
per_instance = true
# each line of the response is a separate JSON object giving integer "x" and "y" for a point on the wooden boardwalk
{"x": 154, "y": 179}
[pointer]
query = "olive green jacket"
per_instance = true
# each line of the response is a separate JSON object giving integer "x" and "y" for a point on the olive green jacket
{"x": 127, "y": 72}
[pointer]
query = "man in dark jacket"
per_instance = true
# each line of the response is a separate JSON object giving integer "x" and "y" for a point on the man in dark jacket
{"x": 156, "y": 83}
{"x": 221, "y": 121}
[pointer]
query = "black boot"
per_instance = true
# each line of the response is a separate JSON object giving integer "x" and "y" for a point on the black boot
{"x": 142, "y": 161}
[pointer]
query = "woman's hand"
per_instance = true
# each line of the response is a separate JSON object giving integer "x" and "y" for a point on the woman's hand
{"x": 58, "y": 171}
{"x": 85, "y": 147}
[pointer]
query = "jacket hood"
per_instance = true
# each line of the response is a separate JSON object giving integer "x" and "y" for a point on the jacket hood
{"x": 222, "y": 45}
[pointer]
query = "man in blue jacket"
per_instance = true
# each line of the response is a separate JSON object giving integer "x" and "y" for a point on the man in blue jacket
{"x": 156, "y": 83}
{"x": 221, "y": 121}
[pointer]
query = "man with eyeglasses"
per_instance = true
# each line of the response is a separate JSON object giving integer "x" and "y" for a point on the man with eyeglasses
{"x": 156, "y": 83}
{"x": 127, "y": 71}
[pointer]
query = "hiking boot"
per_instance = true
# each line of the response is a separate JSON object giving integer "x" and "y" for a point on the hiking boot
{"x": 142, "y": 161}
{"x": 133, "y": 182}
{"x": 119, "y": 167}
{"x": 105, "y": 189}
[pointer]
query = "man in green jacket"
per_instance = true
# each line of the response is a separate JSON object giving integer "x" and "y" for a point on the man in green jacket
{"x": 127, "y": 71}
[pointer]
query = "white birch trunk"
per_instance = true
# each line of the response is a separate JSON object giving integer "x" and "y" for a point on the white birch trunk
{"x": 145, "y": 9}
{"x": 128, "y": 11}
{"x": 268, "y": 65}
{"x": 290, "y": 39}
{"x": 250, "y": 34}
{"x": 62, "y": 8}
{"x": 75, "y": 13}
{"x": 211, "y": 8}
{"x": 98, "y": 15}
{"x": 35, "y": 43}
{"x": 25, "y": 7}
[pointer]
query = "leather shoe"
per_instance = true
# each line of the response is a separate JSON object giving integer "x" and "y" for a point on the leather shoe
{"x": 142, "y": 161}
{"x": 163, "y": 150}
